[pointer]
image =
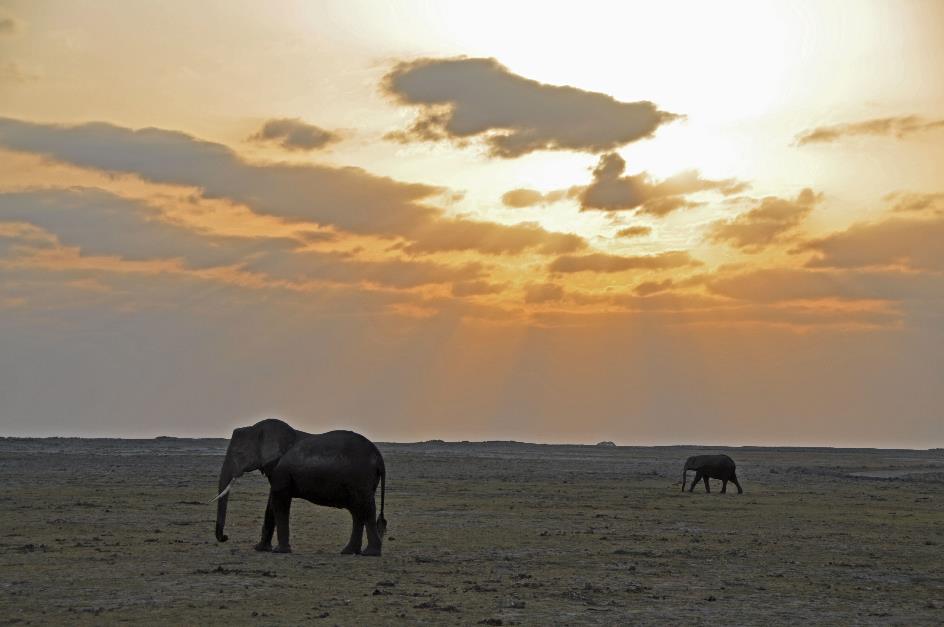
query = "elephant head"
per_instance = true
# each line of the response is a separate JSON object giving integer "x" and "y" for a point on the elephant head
{"x": 258, "y": 447}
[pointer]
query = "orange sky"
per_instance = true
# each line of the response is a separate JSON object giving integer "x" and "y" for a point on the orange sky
{"x": 646, "y": 224}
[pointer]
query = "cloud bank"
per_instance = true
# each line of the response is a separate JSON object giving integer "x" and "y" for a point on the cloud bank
{"x": 600, "y": 262}
{"x": 770, "y": 222}
{"x": 347, "y": 198}
{"x": 898, "y": 127}
{"x": 912, "y": 243}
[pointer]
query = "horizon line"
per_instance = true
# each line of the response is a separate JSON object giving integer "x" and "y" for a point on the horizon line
{"x": 601, "y": 444}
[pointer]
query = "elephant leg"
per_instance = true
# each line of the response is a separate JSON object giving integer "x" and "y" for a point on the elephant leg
{"x": 282, "y": 507}
{"x": 268, "y": 528}
{"x": 373, "y": 537}
{"x": 735, "y": 480}
{"x": 724, "y": 486}
{"x": 707, "y": 487}
{"x": 695, "y": 481}
{"x": 357, "y": 534}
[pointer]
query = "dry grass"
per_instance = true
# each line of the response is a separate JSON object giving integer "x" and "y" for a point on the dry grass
{"x": 106, "y": 531}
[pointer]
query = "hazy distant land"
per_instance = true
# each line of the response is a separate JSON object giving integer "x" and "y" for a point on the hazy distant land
{"x": 102, "y": 530}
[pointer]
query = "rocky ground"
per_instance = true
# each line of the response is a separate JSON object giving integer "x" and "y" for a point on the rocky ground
{"x": 104, "y": 531}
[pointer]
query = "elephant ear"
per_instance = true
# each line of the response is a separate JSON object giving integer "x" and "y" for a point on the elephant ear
{"x": 273, "y": 443}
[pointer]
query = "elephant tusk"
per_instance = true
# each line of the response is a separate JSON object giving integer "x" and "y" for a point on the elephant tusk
{"x": 223, "y": 493}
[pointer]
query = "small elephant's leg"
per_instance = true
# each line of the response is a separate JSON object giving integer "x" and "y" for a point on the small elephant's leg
{"x": 695, "y": 481}
{"x": 357, "y": 534}
{"x": 735, "y": 480}
{"x": 268, "y": 528}
{"x": 281, "y": 507}
{"x": 374, "y": 542}
{"x": 707, "y": 487}
{"x": 724, "y": 486}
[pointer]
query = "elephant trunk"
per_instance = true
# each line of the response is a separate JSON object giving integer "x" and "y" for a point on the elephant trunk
{"x": 221, "y": 519}
{"x": 226, "y": 482}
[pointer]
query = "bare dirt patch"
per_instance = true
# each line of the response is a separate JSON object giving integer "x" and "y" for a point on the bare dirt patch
{"x": 102, "y": 531}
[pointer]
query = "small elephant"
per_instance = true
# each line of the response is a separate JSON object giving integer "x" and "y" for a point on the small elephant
{"x": 337, "y": 469}
{"x": 713, "y": 467}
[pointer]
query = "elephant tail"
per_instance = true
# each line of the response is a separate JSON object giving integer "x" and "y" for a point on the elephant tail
{"x": 381, "y": 521}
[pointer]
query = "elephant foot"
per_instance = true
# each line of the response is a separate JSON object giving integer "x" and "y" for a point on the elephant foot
{"x": 372, "y": 551}
{"x": 282, "y": 549}
{"x": 350, "y": 550}
{"x": 263, "y": 547}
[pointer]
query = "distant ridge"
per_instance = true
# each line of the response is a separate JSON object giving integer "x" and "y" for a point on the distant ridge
{"x": 169, "y": 439}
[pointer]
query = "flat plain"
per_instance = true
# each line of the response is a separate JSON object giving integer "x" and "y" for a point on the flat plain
{"x": 107, "y": 531}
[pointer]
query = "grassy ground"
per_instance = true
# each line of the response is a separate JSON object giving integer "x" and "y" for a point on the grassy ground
{"x": 107, "y": 531}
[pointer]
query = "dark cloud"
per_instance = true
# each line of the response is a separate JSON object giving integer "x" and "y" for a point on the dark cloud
{"x": 782, "y": 284}
{"x": 898, "y": 241}
{"x": 21, "y": 236}
{"x": 340, "y": 268}
{"x": 634, "y": 231}
{"x": 294, "y": 134}
{"x": 611, "y": 191}
{"x": 660, "y": 207}
{"x": 776, "y": 285}
{"x": 38, "y": 291}
{"x": 916, "y": 203}
{"x": 543, "y": 293}
{"x": 898, "y": 127}
{"x": 475, "y": 288}
{"x": 462, "y": 98}
{"x": 668, "y": 310}
{"x": 599, "y": 262}
{"x": 99, "y": 223}
{"x": 490, "y": 238}
{"x": 521, "y": 198}
{"x": 348, "y": 198}
{"x": 665, "y": 301}
{"x": 769, "y": 222}
{"x": 647, "y": 288}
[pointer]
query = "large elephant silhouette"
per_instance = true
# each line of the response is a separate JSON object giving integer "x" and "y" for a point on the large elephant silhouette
{"x": 711, "y": 467}
{"x": 337, "y": 469}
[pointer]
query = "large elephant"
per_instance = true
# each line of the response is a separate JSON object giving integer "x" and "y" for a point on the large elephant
{"x": 337, "y": 469}
{"x": 711, "y": 467}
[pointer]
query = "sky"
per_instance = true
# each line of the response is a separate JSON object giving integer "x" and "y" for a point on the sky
{"x": 650, "y": 223}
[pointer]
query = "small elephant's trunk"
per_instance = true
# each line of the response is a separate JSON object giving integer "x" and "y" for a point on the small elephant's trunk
{"x": 381, "y": 521}
{"x": 684, "y": 477}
